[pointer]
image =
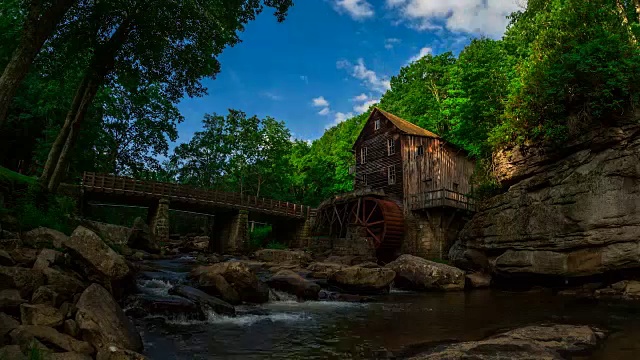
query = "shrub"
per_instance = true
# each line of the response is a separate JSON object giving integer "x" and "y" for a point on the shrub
{"x": 258, "y": 237}
{"x": 35, "y": 208}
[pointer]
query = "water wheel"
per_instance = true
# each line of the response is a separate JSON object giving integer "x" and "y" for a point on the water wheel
{"x": 381, "y": 219}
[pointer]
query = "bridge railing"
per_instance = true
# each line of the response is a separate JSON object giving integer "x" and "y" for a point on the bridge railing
{"x": 107, "y": 183}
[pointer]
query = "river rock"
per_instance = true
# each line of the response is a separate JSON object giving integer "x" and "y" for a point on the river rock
{"x": 559, "y": 337}
{"x": 323, "y": 270}
{"x": 6, "y": 259}
{"x": 68, "y": 356}
{"x": 26, "y": 280}
{"x": 51, "y": 336}
{"x": 10, "y": 300}
{"x": 237, "y": 274}
{"x": 217, "y": 285}
{"x": 568, "y": 211}
{"x": 88, "y": 247}
{"x": 24, "y": 257}
{"x": 334, "y": 296}
{"x": 416, "y": 273}
{"x": 7, "y": 324}
{"x": 44, "y": 237}
{"x": 103, "y": 323}
{"x": 478, "y": 280}
{"x": 45, "y": 295}
{"x": 46, "y": 258}
{"x": 290, "y": 282}
{"x": 203, "y": 299}
{"x": 363, "y": 280}
{"x": 115, "y": 353}
{"x": 64, "y": 284}
{"x": 70, "y": 327}
{"x": 12, "y": 352}
{"x": 283, "y": 256}
{"x": 40, "y": 314}
{"x": 166, "y": 305}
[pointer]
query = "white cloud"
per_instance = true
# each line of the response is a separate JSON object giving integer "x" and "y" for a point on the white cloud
{"x": 304, "y": 78}
{"x": 423, "y": 52}
{"x": 390, "y": 42}
{"x": 360, "y": 108}
{"x": 339, "y": 117}
{"x": 357, "y": 9}
{"x": 368, "y": 76}
{"x": 272, "y": 96}
{"x": 486, "y": 17}
{"x": 320, "y": 101}
{"x": 324, "y": 111}
{"x": 361, "y": 97}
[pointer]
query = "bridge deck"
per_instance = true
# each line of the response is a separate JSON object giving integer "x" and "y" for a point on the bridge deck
{"x": 118, "y": 185}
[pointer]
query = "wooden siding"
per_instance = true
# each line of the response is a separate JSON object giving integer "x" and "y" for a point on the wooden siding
{"x": 378, "y": 160}
{"x": 442, "y": 169}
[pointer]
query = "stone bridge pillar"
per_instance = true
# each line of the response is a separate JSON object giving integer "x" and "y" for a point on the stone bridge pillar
{"x": 158, "y": 219}
{"x": 295, "y": 233}
{"x": 230, "y": 233}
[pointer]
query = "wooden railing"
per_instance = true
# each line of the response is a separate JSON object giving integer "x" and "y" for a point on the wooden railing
{"x": 105, "y": 183}
{"x": 441, "y": 198}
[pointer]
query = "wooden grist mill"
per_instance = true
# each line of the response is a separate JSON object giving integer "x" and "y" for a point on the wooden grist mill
{"x": 411, "y": 193}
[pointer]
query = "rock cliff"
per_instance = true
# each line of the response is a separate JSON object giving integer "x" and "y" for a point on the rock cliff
{"x": 570, "y": 211}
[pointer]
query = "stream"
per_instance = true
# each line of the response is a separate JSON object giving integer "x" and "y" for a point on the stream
{"x": 391, "y": 325}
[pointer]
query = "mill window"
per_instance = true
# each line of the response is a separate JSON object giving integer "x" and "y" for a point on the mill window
{"x": 363, "y": 155}
{"x": 420, "y": 151}
{"x": 391, "y": 146}
{"x": 377, "y": 124}
{"x": 392, "y": 174}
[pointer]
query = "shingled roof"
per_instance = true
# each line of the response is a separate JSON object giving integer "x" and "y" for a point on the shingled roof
{"x": 406, "y": 126}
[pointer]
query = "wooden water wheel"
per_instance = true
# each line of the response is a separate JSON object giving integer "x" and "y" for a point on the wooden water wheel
{"x": 382, "y": 220}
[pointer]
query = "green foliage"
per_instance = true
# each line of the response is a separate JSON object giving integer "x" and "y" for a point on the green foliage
{"x": 276, "y": 246}
{"x": 35, "y": 208}
{"x": 12, "y": 179}
{"x": 258, "y": 237}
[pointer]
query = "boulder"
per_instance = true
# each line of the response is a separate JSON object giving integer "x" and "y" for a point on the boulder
{"x": 323, "y": 270}
{"x": 10, "y": 300}
{"x": 93, "y": 252}
{"x": 565, "y": 339}
{"x": 6, "y": 259}
{"x": 70, "y": 327}
{"x": 111, "y": 234}
{"x": 142, "y": 238}
{"x": 10, "y": 243}
{"x": 26, "y": 280}
{"x": 64, "y": 284}
{"x": 115, "y": 353}
{"x": 53, "y": 337}
{"x": 238, "y": 275}
{"x": 144, "y": 305}
{"x": 68, "y": 356}
{"x": 45, "y": 295}
{"x": 24, "y": 257}
{"x": 40, "y": 314}
{"x": 216, "y": 285}
{"x": 416, "y": 273}
{"x": 290, "y": 282}
{"x": 46, "y": 258}
{"x": 7, "y": 324}
{"x": 44, "y": 237}
{"x": 478, "y": 280}
{"x": 358, "y": 280}
{"x": 12, "y": 352}
{"x": 567, "y": 211}
{"x": 103, "y": 323}
{"x": 334, "y": 296}
{"x": 283, "y": 256}
{"x": 203, "y": 299}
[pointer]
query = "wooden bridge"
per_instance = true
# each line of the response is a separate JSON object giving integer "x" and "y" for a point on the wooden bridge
{"x": 111, "y": 186}
{"x": 232, "y": 211}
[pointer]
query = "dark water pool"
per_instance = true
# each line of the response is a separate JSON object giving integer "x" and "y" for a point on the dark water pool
{"x": 392, "y": 324}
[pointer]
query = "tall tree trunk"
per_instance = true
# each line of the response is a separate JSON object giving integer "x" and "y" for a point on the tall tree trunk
{"x": 39, "y": 25}
{"x": 101, "y": 65}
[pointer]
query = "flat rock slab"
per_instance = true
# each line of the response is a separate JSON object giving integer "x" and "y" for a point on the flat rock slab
{"x": 416, "y": 273}
{"x": 203, "y": 299}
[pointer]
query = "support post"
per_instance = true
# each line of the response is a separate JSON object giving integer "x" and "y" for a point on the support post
{"x": 158, "y": 219}
{"x": 231, "y": 233}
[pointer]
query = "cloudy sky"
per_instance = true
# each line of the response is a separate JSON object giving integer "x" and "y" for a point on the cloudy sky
{"x": 331, "y": 59}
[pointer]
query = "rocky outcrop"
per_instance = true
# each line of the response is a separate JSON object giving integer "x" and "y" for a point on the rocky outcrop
{"x": 478, "y": 280}
{"x": 360, "y": 280}
{"x": 238, "y": 275}
{"x": 103, "y": 323}
{"x": 283, "y": 256}
{"x": 416, "y": 273}
{"x": 551, "y": 342}
{"x": 290, "y": 282}
{"x": 567, "y": 212}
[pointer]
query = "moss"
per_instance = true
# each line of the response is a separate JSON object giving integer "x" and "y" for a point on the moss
{"x": 9, "y": 177}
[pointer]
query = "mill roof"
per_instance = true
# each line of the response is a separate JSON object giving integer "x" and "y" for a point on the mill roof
{"x": 404, "y": 125}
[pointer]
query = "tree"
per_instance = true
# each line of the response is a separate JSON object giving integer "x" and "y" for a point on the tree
{"x": 154, "y": 42}
{"x": 40, "y": 21}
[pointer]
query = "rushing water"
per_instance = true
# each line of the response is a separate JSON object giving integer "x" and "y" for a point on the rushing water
{"x": 286, "y": 329}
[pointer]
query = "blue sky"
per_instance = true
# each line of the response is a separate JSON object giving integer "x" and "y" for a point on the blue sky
{"x": 330, "y": 59}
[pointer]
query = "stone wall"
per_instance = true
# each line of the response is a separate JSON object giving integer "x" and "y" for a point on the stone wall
{"x": 573, "y": 211}
{"x": 430, "y": 233}
{"x": 354, "y": 244}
